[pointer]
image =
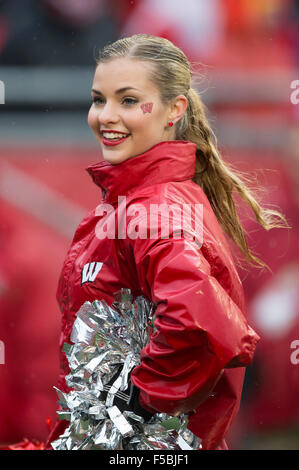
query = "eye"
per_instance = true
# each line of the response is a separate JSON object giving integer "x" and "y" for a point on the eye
{"x": 130, "y": 101}
{"x": 97, "y": 100}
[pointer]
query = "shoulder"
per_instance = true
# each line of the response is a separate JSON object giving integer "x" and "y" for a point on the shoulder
{"x": 173, "y": 192}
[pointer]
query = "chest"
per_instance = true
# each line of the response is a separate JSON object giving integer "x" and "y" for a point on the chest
{"x": 96, "y": 266}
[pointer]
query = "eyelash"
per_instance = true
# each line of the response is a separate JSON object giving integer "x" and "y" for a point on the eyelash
{"x": 133, "y": 101}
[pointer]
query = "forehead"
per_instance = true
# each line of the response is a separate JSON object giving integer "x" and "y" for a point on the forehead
{"x": 121, "y": 72}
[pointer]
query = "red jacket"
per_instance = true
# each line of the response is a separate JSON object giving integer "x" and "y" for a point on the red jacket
{"x": 202, "y": 337}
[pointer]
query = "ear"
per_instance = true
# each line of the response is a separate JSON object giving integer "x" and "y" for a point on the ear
{"x": 178, "y": 108}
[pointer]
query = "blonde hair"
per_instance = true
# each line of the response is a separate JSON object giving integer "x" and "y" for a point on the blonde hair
{"x": 172, "y": 75}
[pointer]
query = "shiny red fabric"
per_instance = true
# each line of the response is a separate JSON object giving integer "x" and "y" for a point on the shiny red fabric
{"x": 26, "y": 444}
{"x": 202, "y": 341}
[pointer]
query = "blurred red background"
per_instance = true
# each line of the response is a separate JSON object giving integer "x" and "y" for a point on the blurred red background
{"x": 251, "y": 59}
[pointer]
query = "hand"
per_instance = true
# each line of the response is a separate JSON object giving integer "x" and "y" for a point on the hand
{"x": 126, "y": 401}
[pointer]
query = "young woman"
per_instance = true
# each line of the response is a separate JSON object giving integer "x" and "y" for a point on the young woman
{"x": 158, "y": 149}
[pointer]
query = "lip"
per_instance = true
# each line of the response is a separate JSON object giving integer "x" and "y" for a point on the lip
{"x": 111, "y": 130}
{"x": 111, "y": 143}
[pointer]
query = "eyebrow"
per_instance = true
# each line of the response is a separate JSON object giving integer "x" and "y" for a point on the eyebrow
{"x": 119, "y": 91}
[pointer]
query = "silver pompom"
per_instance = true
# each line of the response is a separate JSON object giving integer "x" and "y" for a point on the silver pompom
{"x": 105, "y": 341}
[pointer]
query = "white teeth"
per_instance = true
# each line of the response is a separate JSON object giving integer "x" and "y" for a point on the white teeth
{"x": 113, "y": 135}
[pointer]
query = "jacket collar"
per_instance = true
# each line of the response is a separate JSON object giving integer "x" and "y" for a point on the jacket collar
{"x": 166, "y": 161}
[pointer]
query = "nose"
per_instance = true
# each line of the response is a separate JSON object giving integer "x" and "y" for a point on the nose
{"x": 108, "y": 114}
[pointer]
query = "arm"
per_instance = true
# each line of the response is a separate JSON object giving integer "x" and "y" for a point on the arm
{"x": 199, "y": 329}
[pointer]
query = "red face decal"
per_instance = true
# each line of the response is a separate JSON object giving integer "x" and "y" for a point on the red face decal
{"x": 146, "y": 107}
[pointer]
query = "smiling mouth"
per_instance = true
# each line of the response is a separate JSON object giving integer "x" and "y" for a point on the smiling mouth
{"x": 115, "y": 140}
{"x": 115, "y": 136}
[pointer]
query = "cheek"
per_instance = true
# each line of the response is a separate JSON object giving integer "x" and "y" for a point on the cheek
{"x": 147, "y": 107}
{"x": 92, "y": 118}
{"x": 148, "y": 118}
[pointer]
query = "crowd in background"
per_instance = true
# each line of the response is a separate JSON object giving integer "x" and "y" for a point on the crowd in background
{"x": 65, "y": 32}
{"x": 239, "y": 35}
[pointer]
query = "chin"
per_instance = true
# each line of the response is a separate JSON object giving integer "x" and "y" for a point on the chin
{"x": 114, "y": 159}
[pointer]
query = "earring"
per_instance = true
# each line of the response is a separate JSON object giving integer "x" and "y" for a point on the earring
{"x": 170, "y": 123}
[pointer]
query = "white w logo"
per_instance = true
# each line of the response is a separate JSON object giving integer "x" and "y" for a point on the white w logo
{"x": 90, "y": 272}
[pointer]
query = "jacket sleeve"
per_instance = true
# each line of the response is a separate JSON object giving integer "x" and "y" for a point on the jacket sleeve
{"x": 199, "y": 330}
